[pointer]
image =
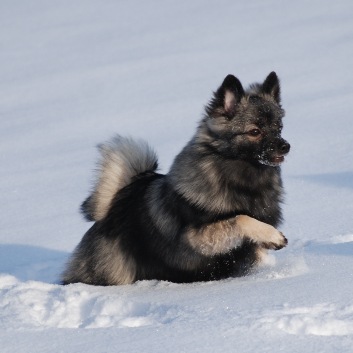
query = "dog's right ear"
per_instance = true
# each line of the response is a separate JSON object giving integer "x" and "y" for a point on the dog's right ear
{"x": 230, "y": 93}
{"x": 271, "y": 86}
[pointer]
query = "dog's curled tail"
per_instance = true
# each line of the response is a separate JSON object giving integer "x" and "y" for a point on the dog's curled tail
{"x": 121, "y": 160}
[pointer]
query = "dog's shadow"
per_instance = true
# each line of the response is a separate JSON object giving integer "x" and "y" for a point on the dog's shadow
{"x": 27, "y": 262}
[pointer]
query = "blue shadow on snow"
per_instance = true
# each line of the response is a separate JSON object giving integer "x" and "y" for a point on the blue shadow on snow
{"x": 341, "y": 179}
{"x": 27, "y": 262}
{"x": 343, "y": 249}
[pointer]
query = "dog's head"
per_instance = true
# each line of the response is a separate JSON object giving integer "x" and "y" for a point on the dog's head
{"x": 247, "y": 125}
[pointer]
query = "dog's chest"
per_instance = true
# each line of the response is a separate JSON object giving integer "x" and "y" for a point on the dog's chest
{"x": 266, "y": 204}
{"x": 259, "y": 199}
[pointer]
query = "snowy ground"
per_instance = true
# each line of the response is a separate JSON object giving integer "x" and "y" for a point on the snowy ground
{"x": 75, "y": 72}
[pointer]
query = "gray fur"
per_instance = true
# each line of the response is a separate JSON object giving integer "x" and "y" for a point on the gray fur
{"x": 98, "y": 260}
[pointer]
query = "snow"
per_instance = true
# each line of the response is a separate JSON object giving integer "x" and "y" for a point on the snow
{"x": 74, "y": 73}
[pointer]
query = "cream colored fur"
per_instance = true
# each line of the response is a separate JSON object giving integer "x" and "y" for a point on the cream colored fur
{"x": 222, "y": 236}
{"x": 121, "y": 160}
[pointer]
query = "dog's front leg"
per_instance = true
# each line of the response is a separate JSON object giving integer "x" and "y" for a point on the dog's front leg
{"x": 222, "y": 236}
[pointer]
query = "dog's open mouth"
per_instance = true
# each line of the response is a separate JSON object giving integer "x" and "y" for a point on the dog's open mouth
{"x": 273, "y": 161}
{"x": 277, "y": 159}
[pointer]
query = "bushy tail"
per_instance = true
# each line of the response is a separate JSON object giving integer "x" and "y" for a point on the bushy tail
{"x": 121, "y": 159}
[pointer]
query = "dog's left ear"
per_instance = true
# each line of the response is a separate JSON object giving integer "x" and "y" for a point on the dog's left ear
{"x": 271, "y": 86}
{"x": 230, "y": 92}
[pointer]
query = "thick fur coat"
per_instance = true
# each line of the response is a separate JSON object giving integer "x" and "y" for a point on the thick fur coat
{"x": 212, "y": 216}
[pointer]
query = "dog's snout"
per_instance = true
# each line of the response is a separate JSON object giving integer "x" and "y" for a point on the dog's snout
{"x": 284, "y": 147}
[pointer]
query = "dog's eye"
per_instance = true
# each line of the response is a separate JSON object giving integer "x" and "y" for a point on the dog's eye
{"x": 254, "y": 132}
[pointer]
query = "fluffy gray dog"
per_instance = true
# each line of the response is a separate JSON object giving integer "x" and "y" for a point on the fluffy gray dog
{"x": 212, "y": 216}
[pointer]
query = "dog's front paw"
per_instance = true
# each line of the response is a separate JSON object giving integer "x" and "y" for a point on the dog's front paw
{"x": 260, "y": 233}
{"x": 277, "y": 241}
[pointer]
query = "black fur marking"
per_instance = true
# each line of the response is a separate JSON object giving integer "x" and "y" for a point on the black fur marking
{"x": 86, "y": 209}
{"x": 271, "y": 86}
{"x": 232, "y": 84}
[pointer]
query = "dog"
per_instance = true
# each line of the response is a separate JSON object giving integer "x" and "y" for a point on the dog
{"x": 212, "y": 216}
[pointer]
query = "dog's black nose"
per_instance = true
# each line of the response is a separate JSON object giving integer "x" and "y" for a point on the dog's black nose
{"x": 284, "y": 147}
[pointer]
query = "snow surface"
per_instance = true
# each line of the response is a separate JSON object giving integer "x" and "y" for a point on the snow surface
{"x": 73, "y": 73}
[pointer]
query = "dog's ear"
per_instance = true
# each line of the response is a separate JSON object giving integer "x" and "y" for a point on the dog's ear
{"x": 230, "y": 93}
{"x": 271, "y": 86}
{"x": 226, "y": 98}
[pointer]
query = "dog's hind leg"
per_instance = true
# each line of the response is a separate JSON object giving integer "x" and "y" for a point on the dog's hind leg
{"x": 220, "y": 237}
